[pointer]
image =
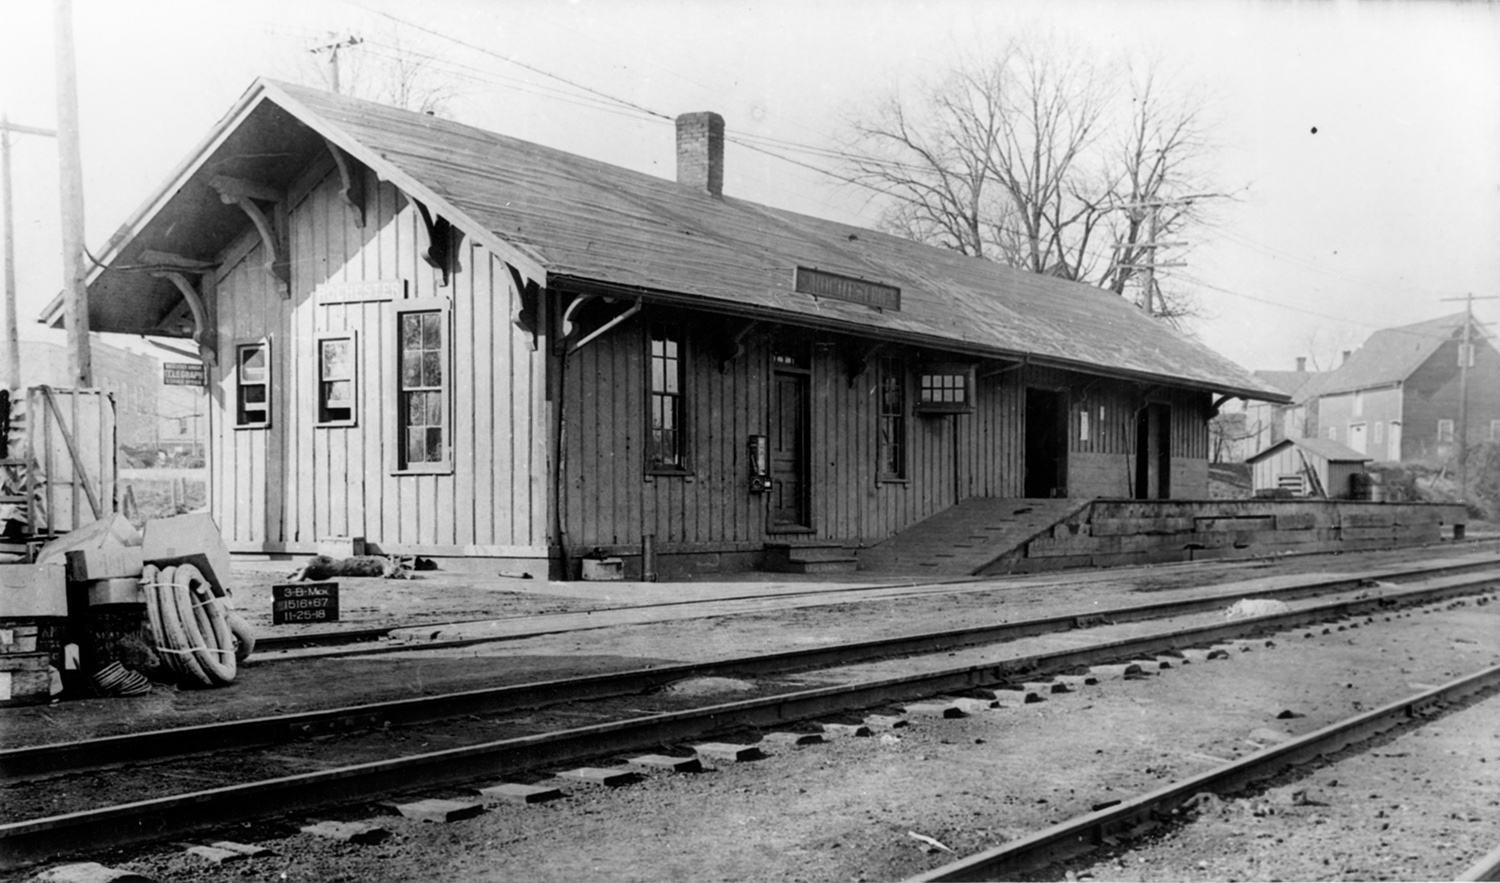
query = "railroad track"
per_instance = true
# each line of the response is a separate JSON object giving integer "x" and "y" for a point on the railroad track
{"x": 33, "y": 840}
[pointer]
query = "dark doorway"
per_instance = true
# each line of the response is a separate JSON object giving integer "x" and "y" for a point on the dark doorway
{"x": 1046, "y": 443}
{"x": 1153, "y": 452}
{"x": 789, "y": 455}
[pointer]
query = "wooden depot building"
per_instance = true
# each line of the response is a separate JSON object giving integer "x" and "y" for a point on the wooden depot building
{"x": 491, "y": 353}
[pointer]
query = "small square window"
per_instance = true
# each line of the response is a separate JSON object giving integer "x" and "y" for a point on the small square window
{"x": 337, "y": 389}
{"x": 946, "y": 389}
{"x": 253, "y": 386}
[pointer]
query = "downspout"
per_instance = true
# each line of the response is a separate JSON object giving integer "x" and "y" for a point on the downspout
{"x": 559, "y": 459}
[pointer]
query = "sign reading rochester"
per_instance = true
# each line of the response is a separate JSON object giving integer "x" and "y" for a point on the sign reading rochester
{"x": 304, "y": 602}
{"x": 856, "y": 291}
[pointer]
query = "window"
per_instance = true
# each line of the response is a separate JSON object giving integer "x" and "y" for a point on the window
{"x": 1333, "y": 433}
{"x": 1379, "y": 432}
{"x": 666, "y": 450}
{"x": 1495, "y": 430}
{"x": 892, "y": 441}
{"x": 422, "y": 441}
{"x": 253, "y": 386}
{"x": 1445, "y": 432}
{"x": 1359, "y": 404}
{"x": 946, "y": 389}
{"x": 336, "y": 386}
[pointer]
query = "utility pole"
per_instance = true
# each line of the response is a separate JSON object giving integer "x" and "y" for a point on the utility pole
{"x": 70, "y": 178}
{"x": 1153, "y": 207}
{"x": 333, "y": 57}
{"x": 1465, "y": 359}
{"x": 12, "y": 336}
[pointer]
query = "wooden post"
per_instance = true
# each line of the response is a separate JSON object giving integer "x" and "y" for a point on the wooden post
{"x": 13, "y": 356}
{"x": 70, "y": 184}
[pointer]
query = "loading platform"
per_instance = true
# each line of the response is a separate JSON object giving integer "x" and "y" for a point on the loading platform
{"x": 991, "y": 536}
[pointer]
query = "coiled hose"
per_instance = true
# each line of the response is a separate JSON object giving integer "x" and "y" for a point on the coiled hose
{"x": 197, "y": 636}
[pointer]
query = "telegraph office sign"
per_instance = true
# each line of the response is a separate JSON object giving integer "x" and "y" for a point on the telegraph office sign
{"x": 184, "y": 374}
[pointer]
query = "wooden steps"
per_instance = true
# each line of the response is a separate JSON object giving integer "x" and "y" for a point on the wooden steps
{"x": 962, "y": 539}
{"x": 809, "y": 558}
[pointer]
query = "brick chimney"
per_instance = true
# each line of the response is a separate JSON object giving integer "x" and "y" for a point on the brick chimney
{"x": 1301, "y": 364}
{"x": 700, "y": 152}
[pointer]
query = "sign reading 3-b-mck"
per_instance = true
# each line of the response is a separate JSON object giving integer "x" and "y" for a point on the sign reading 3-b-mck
{"x": 304, "y": 602}
{"x": 857, "y": 291}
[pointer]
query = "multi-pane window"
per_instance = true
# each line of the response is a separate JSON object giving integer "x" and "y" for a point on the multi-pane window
{"x": 1445, "y": 432}
{"x": 253, "y": 385}
{"x": 1359, "y": 404}
{"x": 1495, "y": 430}
{"x": 946, "y": 389}
{"x": 892, "y": 444}
{"x": 336, "y": 385}
{"x": 422, "y": 406}
{"x": 1379, "y": 432}
{"x": 667, "y": 448}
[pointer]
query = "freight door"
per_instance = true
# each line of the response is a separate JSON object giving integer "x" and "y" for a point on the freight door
{"x": 789, "y": 455}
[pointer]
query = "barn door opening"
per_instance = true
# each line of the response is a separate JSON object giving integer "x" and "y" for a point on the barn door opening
{"x": 1046, "y": 443}
{"x": 1153, "y": 453}
{"x": 790, "y": 509}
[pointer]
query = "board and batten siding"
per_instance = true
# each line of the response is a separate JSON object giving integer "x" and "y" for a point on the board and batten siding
{"x": 283, "y": 488}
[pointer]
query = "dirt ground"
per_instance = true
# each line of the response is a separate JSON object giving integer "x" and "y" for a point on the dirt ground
{"x": 869, "y": 809}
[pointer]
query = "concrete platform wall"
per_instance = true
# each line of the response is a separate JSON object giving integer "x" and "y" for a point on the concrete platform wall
{"x": 1111, "y": 533}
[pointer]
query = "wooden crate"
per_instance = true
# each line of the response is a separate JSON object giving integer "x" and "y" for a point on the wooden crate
{"x": 17, "y": 639}
{"x": 24, "y": 679}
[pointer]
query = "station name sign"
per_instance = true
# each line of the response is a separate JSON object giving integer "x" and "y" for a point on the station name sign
{"x": 184, "y": 374}
{"x": 846, "y": 288}
{"x": 304, "y": 602}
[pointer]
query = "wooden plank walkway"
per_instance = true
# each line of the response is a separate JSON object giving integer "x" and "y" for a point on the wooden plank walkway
{"x": 964, "y": 538}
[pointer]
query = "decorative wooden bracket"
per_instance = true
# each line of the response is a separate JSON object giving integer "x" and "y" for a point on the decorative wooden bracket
{"x": 530, "y": 296}
{"x": 443, "y": 240}
{"x": 1213, "y": 408}
{"x": 859, "y": 359}
{"x": 203, "y": 335}
{"x": 734, "y": 347}
{"x": 353, "y": 191}
{"x": 566, "y": 326}
{"x": 247, "y": 195}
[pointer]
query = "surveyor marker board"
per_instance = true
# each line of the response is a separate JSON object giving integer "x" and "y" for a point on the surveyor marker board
{"x": 296, "y": 603}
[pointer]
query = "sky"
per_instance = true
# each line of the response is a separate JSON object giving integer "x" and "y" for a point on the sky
{"x": 1391, "y": 206}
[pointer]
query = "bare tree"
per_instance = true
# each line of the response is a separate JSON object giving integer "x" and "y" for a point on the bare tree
{"x": 1035, "y": 158}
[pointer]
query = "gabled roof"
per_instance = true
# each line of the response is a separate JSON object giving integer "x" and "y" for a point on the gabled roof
{"x": 1325, "y": 448}
{"x": 1391, "y": 355}
{"x": 565, "y": 217}
{"x": 1300, "y": 385}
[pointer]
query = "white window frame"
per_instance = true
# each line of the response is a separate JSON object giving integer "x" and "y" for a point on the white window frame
{"x": 240, "y": 384}
{"x": 397, "y": 429}
{"x": 321, "y": 403}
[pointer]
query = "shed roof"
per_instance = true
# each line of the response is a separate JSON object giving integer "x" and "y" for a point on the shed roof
{"x": 1391, "y": 355}
{"x": 567, "y": 217}
{"x": 1323, "y": 448}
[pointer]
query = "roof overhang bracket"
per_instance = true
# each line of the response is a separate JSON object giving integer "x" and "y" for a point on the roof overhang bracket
{"x": 353, "y": 189}
{"x": 248, "y": 195}
{"x": 203, "y": 335}
{"x": 634, "y": 308}
{"x": 566, "y": 326}
{"x": 443, "y": 240}
{"x": 1006, "y": 369}
{"x": 529, "y": 296}
{"x": 859, "y": 360}
{"x": 734, "y": 347}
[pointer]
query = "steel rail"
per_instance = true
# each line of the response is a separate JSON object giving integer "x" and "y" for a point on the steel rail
{"x": 1083, "y": 834}
{"x": 28, "y": 762}
{"x": 1487, "y": 868}
{"x": 964, "y": 585}
{"x": 32, "y": 841}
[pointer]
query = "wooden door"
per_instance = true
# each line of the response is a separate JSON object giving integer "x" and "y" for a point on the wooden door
{"x": 1153, "y": 453}
{"x": 789, "y": 455}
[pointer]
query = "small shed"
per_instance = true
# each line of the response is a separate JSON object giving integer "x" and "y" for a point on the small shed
{"x": 1309, "y": 467}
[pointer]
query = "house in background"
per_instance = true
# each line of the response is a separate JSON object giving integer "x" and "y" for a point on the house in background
{"x": 1267, "y": 423}
{"x": 464, "y": 346}
{"x": 1397, "y": 397}
{"x": 132, "y": 379}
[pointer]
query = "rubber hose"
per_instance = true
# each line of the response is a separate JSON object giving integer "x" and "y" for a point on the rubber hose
{"x": 244, "y": 643}
{"x": 177, "y": 636}
{"x": 164, "y": 645}
{"x": 149, "y": 575}
{"x": 213, "y": 644}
